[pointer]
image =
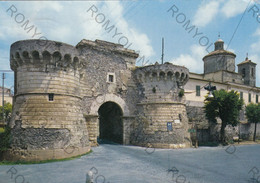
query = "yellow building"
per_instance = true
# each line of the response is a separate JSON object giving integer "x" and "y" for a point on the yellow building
{"x": 219, "y": 69}
{"x": 8, "y": 97}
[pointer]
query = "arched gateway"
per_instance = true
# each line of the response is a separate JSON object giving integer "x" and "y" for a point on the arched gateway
{"x": 110, "y": 123}
{"x": 108, "y": 119}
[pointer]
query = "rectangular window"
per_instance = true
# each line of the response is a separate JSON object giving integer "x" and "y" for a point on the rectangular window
{"x": 249, "y": 97}
{"x": 111, "y": 78}
{"x": 51, "y": 96}
{"x": 197, "y": 90}
{"x": 256, "y": 99}
{"x": 241, "y": 95}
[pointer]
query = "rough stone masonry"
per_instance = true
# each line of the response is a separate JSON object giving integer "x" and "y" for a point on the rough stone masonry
{"x": 69, "y": 98}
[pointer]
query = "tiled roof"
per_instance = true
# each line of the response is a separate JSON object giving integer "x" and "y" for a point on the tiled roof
{"x": 246, "y": 61}
{"x": 219, "y": 52}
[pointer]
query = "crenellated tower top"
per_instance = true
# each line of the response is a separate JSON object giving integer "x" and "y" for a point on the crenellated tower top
{"x": 163, "y": 72}
{"x": 41, "y": 53}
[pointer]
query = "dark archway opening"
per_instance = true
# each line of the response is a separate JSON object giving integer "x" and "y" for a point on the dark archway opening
{"x": 110, "y": 123}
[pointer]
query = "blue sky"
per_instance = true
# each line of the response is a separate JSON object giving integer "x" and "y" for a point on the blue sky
{"x": 140, "y": 25}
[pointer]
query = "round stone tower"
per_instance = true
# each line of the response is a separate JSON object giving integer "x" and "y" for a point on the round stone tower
{"x": 161, "y": 112}
{"x": 47, "y": 120}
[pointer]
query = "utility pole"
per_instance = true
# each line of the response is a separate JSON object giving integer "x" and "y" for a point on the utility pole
{"x": 162, "y": 49}
{"x": 3, "y": 95}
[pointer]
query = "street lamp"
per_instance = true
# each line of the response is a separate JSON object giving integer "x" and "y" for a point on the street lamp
{"x": 210, "y": 89}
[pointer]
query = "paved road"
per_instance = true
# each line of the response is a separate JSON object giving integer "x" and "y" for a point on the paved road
{"x": 129, "y": 164}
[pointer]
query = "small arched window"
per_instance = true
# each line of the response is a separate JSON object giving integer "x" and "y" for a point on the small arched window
{"x": 252, "y": 72}
{"x": 56, "y": 56}
{"x": 35, "y": 56}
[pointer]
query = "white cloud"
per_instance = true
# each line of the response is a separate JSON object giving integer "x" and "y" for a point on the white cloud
{"x": 70, "y": 22}
{"x": 233, "y": 7}
{"x": 10, "y": 29}
{"x": 257, "y": 32}
{"x": 140, "y": 41}
{"x": 206, "y": 13}
{"x": 192, "y": 61}
{"x": 4, "y": 60}
{"x": 209, "y": 10}
{"x": 255, "y": 47}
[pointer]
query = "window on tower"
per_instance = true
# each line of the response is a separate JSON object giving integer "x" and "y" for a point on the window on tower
{"x": 111, "y": 77}
{"x": 252, "y": 72}
{"x": 243, "y": 72}
{"x": 51, "y": 96}
{"x": 197, "y": 90}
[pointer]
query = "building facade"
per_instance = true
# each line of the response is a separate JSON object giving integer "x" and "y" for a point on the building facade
{"x": 219, "y": 69}
{"x": 8, "y": 96}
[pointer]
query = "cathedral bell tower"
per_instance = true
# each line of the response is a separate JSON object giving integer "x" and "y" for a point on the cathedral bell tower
{"x": 247, "y": 70}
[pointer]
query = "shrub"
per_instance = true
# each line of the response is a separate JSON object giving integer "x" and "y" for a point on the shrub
{"x": 181, "y": 93}
{"x": 5, "y": 139}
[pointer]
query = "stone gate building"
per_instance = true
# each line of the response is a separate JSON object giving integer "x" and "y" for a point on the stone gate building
{"x": 67, "y": 97}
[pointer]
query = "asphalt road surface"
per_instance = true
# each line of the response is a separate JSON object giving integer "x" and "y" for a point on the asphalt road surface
{"x": 130, "y": 164}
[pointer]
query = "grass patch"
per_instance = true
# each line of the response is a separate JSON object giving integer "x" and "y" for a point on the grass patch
{"x": 2, "y": 130}
{"x": 42, "y": 162}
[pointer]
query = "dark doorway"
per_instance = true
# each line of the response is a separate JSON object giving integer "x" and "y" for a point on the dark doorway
{"x": 110, "y": 123}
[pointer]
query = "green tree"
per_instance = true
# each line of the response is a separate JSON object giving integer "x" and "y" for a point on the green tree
{"x": 7, "y": 111}
{"x": 225, "y": 105}
{"x": 253, "y": 115}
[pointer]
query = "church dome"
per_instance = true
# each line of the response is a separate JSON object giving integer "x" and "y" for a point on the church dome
{"x": 219, "y": 50}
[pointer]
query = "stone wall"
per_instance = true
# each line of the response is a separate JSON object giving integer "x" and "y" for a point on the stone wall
{"x": 151, "y": 126}
{"x": 93, "y": 128}
{"x": 247, "y": 131}
{"x": 244, "y": 131}
{"x": 210, "y": 132}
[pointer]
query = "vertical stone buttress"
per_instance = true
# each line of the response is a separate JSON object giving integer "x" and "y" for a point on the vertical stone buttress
{"x": 47, "y": 120}
{"x": 160, "y": 101}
